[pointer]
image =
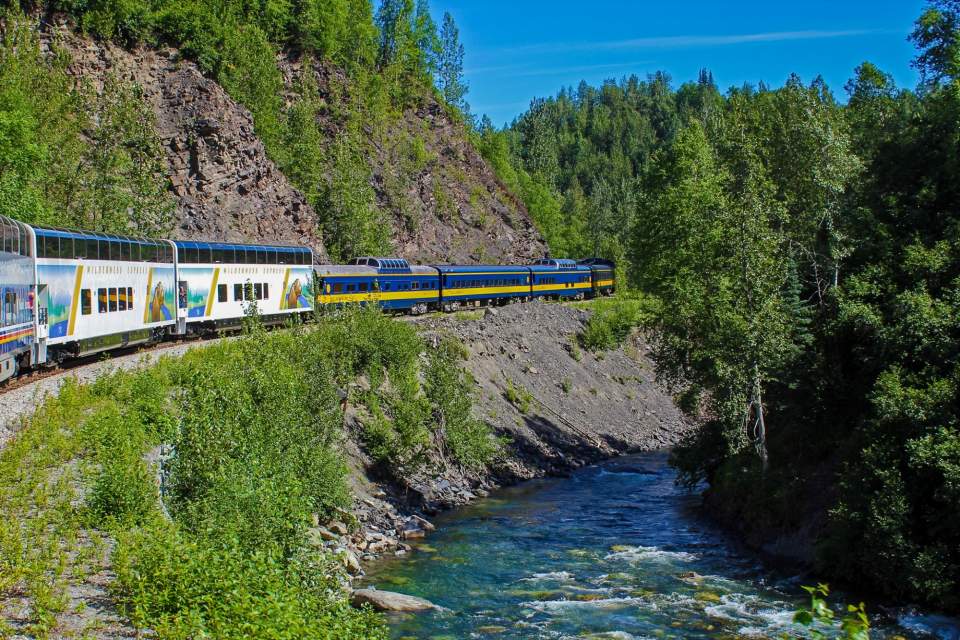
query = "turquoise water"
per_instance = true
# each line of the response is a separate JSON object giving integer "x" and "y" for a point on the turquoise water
{"x": 616, "y": 551}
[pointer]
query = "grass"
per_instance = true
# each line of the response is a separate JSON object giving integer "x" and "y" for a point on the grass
{"x": 255, "y": 428}
{"x": 518, "y": 396}
{"x": 614, "y": 319}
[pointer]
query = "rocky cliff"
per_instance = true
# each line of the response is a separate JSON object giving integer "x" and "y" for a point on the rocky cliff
{"x": 447, "y": 206}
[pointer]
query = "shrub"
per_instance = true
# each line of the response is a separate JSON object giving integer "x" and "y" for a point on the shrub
{"x": 183, "y": 589}
{"x": 613, "y": 320}
{"x": 468, "y": 440}
{"x": 518, "y": 396}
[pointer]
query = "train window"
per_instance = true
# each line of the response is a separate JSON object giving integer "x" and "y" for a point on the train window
{"x": 351, "y": 287}
{"x": 221, "y": 293}
{"x": 258, "y": 291}
{"x": 122, "y": 299}
{"x": 338, "y": 287}
{"x": 237, "y": 292}
{"x": 216, "y": 255}
{"x": 101, "y": 300}
{"x": 261, "y": 256}
{"x": 66, "y": 249}
{"x": 415, "y": 285}
{"x": 113, "y": 299}
{"x": 130, "y": 298}
{"x": 266, "y": 291}
{"x": 149, "y": 253}
{"x": 362, "y": 286}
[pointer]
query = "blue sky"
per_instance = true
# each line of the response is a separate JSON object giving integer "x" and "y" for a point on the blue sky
{"x": 520, "y": 49}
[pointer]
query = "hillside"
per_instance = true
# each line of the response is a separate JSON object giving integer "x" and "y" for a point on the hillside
{"x": 438, "y": 196}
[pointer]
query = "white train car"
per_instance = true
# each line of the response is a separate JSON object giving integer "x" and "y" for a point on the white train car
{"x": 17, "y": 329}
{"x": 217, "y": 282}
{"x": 99, "y": 291}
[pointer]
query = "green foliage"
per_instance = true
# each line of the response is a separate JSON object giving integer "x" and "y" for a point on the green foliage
{"x": 853, "y": 625}
{"x": 450, "y": 80}
{"x": 468, "y": 440}
{"x": 184, "y": 588}
{"x": 518, "y": 396}
{"x": 70, "y": 156}
{"x": 614, "y": 319}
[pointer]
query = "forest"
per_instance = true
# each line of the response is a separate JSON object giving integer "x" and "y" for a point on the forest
{"x": 804, "y": 252}
{"x": 801, "y": 243}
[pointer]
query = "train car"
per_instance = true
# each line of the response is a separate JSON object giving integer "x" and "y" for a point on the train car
{"x": 99, "y": 291}
{"x": 17, "y": 327}
{"x": 472, "y": 285}
{"x": 602, "y": 278}
{"x": 217, "y": 281}
{"x": 560, "y": 278}
{"x": 392, "y": 283}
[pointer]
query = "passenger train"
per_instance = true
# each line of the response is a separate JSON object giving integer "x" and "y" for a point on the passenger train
{"x": 68, "y": 293}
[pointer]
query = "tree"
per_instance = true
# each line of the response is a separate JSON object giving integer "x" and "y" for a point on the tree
{"x": 708, "y": 247}
{"x": 937, "y": 35}
{"x": 450, "y": 65}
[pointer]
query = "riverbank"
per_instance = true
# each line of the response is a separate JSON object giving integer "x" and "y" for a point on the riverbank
{"x": 554, "y": 406}
{"x": 273, "y": 450}
{"x": 616, "y": 550}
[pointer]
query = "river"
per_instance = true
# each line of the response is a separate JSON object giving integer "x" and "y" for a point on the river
{"x": 615, "y": 551}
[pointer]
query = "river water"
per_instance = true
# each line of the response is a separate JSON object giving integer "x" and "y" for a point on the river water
{"x": 616, "y": 551}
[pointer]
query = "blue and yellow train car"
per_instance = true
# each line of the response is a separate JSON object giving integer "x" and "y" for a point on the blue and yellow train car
{"x": 392, "y": 283}
{"x": 17, "y": 328}
{"x": 470, "y": 285}
{"x": 560, "y": 278}
{"x": 602, "y": 275}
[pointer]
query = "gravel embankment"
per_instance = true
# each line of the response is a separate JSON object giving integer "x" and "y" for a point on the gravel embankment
{"x": 17, "y": 405}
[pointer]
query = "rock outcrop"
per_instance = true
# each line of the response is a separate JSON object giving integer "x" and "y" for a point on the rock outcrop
{"x": 226, "y": 187}
{"x": 444, "y": 202}
{"x": 390, "y": 601}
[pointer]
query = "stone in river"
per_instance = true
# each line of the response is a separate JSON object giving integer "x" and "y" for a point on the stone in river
{"x": 390, "y": 601}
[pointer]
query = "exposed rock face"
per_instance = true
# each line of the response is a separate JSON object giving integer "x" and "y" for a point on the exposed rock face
{"x": 390, "y": 601}
{"x": 225, "y": 185}
{"x": 447, "y": 204}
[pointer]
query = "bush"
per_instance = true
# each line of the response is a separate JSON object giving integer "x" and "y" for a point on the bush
{"x": 468, "y": 440}
{"x": 518, "y": 396}
{"x": 184, "y": 589}
{"x": 613, "y": 320}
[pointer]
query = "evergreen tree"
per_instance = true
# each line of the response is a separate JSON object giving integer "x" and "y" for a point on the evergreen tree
{"x": 450, "y": 80}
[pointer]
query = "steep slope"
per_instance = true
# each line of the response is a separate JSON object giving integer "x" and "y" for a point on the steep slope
{"x": 447, "y": 205}
{"x": 226, "y": 187}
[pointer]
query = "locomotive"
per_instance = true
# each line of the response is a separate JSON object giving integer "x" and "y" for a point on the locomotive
{"x": 67, "y": 294}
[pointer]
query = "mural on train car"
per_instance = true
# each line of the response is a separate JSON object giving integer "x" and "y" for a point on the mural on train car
{"x": 297, "y": 289}
{"x": 160, "y": 295}
{"x": 200, "y": 282}
{"x": 63, "y": 288}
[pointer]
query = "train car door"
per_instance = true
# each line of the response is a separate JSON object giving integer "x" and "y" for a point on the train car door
{"x": 183, "y": 303}
{"x": 43, "y": 330}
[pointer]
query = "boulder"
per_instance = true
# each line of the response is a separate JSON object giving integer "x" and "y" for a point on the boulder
{"x": 390, "y": 601}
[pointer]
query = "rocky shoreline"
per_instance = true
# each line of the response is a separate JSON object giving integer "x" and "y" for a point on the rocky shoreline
{"x": 583, "y": 408}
